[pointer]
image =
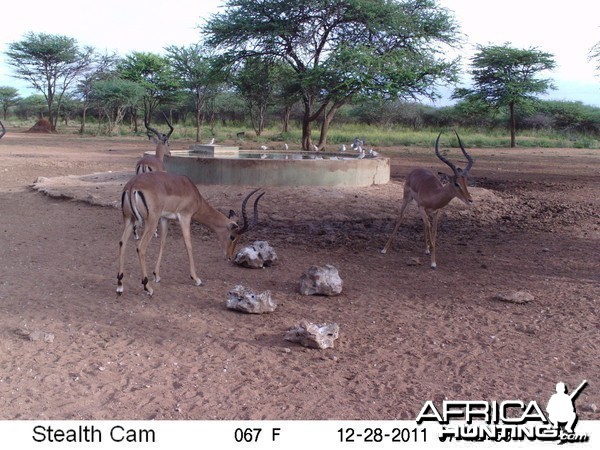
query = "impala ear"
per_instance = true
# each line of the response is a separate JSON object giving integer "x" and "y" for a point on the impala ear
{"x": 231, "y": 214}
{"x": 232, "y": 226}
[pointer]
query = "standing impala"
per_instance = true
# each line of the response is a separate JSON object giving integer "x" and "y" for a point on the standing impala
{"x": 159, "y": 196}
{"x": 154, "y": 163}
{"x": 425, "y": 188}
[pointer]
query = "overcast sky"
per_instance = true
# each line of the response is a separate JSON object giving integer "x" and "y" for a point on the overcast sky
{"x": 565, "y": 29}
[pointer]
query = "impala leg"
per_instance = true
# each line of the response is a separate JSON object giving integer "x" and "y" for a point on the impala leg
{"x": 426, "y": 229}
{"x": 388, "y": 244}
{"x": 434, "y": 227}
{"x": 151, "y": 224}
{"x": 187, "y": 239}
{"x": 122, "y": 244}
{"x": 163, "y": 237}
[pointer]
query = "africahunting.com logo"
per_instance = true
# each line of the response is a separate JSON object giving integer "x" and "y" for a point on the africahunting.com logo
{"x": 509, "y": 420}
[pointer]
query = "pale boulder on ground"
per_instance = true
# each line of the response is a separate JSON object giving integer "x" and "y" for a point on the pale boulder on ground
{"x": 515, "y": 297}
{"x": 256, "y": 256}
{"x": 323, "y": 280}
{"x": 35, "y": 335}
{"x": 313, "y": 335}
{"x": 246, "y": 300}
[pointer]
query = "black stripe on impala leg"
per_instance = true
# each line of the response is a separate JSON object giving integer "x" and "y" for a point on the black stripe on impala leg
{"x": 147, "y": 288}
{"x": 119, "y": 283}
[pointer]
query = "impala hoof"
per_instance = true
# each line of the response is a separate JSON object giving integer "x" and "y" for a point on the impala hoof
{"x": 384, "y": 251}
{"x": 198, "y": 281}
{"x": 433, "y": 266}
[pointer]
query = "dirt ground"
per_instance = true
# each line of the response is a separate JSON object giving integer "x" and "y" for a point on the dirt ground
{"x": 70, "y": 348}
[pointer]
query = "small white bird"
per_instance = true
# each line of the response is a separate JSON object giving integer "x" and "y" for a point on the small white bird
{"x": 342, "y": 148}
{"x": 315, "y": 148}
{"x": 212, "y": 141}
{"x": 285, "y": 146}
{"x": 264, "y": 147}
{"x": 373, "y": 153}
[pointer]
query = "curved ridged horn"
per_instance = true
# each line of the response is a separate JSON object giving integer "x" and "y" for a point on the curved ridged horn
{"x": 160, "y": 136}
{"x": 470, "y": 160}
{"x": 439, "y": 155}
{"x": 170, "y": 127}
{"x": 3, "y": 132}
{"x": 246, "y": 226}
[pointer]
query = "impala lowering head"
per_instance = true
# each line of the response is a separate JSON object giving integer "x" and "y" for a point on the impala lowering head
{"x": 460, "y": 177}
{"x": 235, "y": 231}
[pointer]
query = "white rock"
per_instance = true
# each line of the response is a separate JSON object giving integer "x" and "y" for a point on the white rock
{"x": 246, "y": 300}
{"x": 256, "y": 256}
{"x": 321, "y": 281}
{"x": 515, "y": 297}
{"x": 313, "y": 335}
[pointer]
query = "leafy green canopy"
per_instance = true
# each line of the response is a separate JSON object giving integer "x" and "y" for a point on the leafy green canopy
{"x": 503, "y": 75}
{"x": 340, "y": 49}
{"x": 154, "y": 74}
{"x": 50, "y": 63}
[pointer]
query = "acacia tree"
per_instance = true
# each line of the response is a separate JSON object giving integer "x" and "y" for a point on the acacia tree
{"x": 339, "y": 49}
{"x": 102, "y": 68}
{"x": 114, "y": 97}
{"x": 154, "y": 73}
{"x": 196, "y": 71}
{"x": 9, "y": 96}
{"x": 256, "y": 82}
{"x": 50, "y": 63}
{"x": 504, "y": 76}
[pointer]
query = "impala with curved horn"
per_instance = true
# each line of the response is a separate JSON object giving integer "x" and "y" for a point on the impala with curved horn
{"x": 424, "y": 187}
{"x": 156, "y": 197}
{"x": 154, "y": 163}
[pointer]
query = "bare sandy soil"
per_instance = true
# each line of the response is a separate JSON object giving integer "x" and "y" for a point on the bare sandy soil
{"x": 408, "y": 334}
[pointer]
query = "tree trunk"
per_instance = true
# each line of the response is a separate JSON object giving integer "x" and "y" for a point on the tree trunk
{"x": 83, "y": 117}
{"x": 198, "y": 124}
{"x": 286, "y": 119}
{"x": 198, "y": 108}
{"x": 326, "y": 122}
{"x": 513, "y": 125}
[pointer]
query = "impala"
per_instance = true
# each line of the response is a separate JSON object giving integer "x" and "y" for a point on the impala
{"x": 154, "y": 163}
{"x": 424, "y": 187}
{"x": 156, "y": 197}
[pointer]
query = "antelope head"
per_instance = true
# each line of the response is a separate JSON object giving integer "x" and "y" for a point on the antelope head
{"x": 231, "y": 236}
{"x": 460, "y": 176}
{"x": 157, "y": 137}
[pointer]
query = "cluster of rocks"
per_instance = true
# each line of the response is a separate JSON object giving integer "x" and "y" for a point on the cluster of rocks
{"x": 317, "y": 280}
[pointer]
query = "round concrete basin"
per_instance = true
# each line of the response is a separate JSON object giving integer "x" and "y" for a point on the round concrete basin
{"x": 279, "y": 168}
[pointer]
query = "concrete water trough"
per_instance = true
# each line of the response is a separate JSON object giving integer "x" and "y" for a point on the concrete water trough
{"x": 213, "y": 164}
